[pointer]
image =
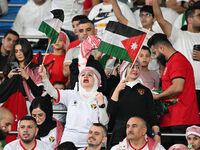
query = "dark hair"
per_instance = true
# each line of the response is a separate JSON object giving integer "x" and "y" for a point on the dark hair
{"x": 102, "y": 126}
{"x": 79, "y": 17}
{"x": 26, "y": 50}
{"x": 59, "y": 82}
{"x": 146, "y": 48}
{"x": 147, "y": 8}
{"x": 11, "y": 32}
{"x": 159, "y": 38}
{"x": 45, "y": 105}
{"x": 84, "y": 21}
{"x": 66, "y": 146}
{"x": 29, "y": 118}
{"x": 191, "y": 10}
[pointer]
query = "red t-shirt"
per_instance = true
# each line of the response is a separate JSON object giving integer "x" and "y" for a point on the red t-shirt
{"x": 55, "y": 69}
{"x": 87, "y": 4}
{"x": 185, "y": 111}
{"x": 73, "y": 44}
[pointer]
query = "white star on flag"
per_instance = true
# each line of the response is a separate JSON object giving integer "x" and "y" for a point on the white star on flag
{"x": 134, "y": 46}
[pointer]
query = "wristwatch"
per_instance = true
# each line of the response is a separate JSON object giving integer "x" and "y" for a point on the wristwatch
{"x": 102, "y": 106}
{"x": 157, "y": 133}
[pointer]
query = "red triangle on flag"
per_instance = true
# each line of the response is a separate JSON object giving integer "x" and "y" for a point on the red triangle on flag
{"x": 133, "y": 45}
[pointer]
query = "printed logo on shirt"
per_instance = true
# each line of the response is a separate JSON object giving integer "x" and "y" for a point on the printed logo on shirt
{"x": 165, "y": 70}
{"x": 51, "y": 139}
{"x": 141, "y": 91}
{"x": 93, "y": 106}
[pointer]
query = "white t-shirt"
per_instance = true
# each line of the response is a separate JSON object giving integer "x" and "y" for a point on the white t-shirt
{"x": 50, "y": 139}
{"x": 4, "y": 7}
{"x": 30, "y": 17}
{"x": 15, "y": 145}
{"x": 169, "y": 14}
{"x": 71, "y": 8}
{"x": 178, "y": 21}
{"x": 72, "y": 54}
{"x": 81, "y": 115}
{"x": 102, "y": 14}
{"x": 158, "y": 147}
{"x": 183, "y": 42}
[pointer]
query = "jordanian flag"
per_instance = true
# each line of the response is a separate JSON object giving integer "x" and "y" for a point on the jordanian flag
{"x": 52, "y": 27}
{"x": 121, "y": 41}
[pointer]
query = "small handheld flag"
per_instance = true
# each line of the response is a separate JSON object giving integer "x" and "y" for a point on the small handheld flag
{"x": 52, "y": 27}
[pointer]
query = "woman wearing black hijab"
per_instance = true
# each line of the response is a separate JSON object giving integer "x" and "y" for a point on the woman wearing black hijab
{"x": 50, "y": 130}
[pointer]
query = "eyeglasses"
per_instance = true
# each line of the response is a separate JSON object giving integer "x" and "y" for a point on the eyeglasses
{"x": 145, "y": 15}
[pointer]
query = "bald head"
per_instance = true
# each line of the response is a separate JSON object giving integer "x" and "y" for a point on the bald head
{"x": 4, "y": 113}
{"x": 6, "y": 120}
{"x": 136, "y": 129}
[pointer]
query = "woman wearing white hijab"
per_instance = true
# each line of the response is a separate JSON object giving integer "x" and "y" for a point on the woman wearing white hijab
{"x": 130, "y": 98}
{"x": 85, "y": 107}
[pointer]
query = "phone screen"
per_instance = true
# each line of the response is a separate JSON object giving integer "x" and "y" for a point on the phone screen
{"x": 14, "y": 65}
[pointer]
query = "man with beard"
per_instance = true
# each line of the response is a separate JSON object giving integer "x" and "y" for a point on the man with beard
{"x": 97, "y": 136}
{"x": 27, "y": 131}
{"x": 184, "y": 41}
{"x": 136, "y": 138}
{"x": 178, "y": 89}
{"x": 6, "y": 120}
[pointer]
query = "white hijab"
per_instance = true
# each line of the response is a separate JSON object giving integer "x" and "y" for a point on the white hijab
{"x": 91, "y": 95}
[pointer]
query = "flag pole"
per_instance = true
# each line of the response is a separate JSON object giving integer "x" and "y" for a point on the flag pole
{"x": 46, "y": 51}
{"x": 137, "y": 55}
{"x": 27, "y": 65}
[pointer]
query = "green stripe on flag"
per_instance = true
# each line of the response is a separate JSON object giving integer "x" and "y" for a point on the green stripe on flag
{"x": 103, "y": 60}
{"x": 49, "y": 31}
{"x": 115, "y": 51}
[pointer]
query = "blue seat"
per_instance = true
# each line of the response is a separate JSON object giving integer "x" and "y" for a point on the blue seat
{"x": 17, "y": 1}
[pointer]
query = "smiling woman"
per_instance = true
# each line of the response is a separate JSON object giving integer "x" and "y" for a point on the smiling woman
{"x": 50, "y": 130}
{"x": 131, "y": 98}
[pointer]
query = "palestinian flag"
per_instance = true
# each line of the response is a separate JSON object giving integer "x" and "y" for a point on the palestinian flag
{"x": 13, "y": 95}
{"x": 121, "y": 41}
{"x": 37, "y": 59}
{"x": 52, "y": 27}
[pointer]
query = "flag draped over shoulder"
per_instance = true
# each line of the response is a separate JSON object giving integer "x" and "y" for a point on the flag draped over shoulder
{"x": 121, "y": 41}
{"x": 13, "y": 95}
{"x": 52, "y": 27}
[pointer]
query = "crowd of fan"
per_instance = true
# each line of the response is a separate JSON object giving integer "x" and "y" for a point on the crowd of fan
{"x": 137, "y": 103}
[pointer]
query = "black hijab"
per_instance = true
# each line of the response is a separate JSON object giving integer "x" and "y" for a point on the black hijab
{"x": 45, "y": 105}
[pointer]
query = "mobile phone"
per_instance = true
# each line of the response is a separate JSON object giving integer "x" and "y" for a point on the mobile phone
{"x": 196, "y": 47}
{"x": 14, "y": 65}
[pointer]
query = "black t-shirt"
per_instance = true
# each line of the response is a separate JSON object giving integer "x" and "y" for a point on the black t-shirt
{"x": 3, "y": 60}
